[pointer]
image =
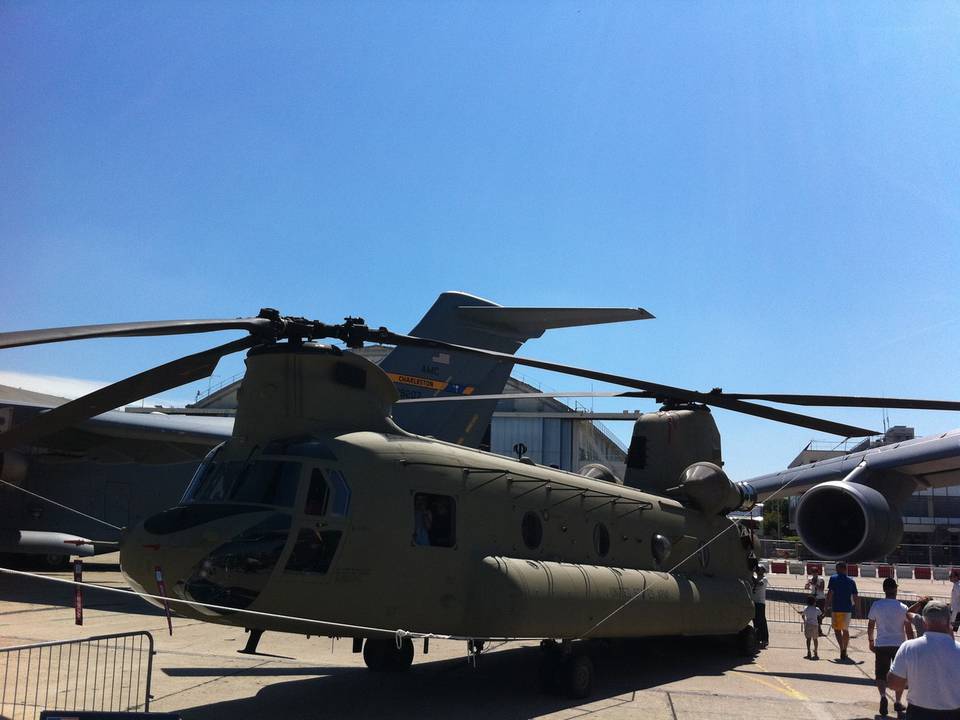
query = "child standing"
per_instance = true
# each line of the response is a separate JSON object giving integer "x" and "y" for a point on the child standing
{"x": 811, "y": 626}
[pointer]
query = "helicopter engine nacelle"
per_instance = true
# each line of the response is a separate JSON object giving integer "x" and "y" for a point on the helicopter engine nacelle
{"x": 846, "y": 520}
{"x": 665, "y": 443}
{"x": 707, "y": 488}
{"x": 599, "y": 471}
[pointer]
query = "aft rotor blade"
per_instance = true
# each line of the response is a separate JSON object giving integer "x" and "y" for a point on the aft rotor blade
{"x": 150, "y": 382}
{"x": 655, "y": 389}
{"x": 515, "y": 396}
{"x": 133, "y": 329}
{"x": 850, "y": 401}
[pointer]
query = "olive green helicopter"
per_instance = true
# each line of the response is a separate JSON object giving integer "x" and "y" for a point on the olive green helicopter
{"x": 321, "y": 516}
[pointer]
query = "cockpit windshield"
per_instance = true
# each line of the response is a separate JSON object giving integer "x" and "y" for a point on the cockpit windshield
{"x": 263, "y": 482}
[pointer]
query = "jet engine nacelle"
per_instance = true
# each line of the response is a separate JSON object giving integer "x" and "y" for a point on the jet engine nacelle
{"x": 846, "y": 520}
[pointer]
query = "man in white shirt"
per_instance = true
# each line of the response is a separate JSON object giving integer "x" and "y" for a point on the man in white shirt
{"x": 955, "y": 599}
{"x": 931, "y": 665}
{"x": 888, "y": 620}
{"x": 818, "y": 588}
{"x": 760, "y": 607}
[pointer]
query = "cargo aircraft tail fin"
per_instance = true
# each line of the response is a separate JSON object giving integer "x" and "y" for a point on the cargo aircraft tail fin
{"x": 465, "y": 319}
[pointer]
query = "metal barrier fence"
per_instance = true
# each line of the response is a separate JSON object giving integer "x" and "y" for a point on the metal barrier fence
{"x": 946, "y": 555}
{"x": 108, "y": 673}
{"x": 784, "y": 604}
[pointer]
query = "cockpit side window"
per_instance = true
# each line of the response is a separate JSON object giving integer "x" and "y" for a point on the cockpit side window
{"x": 268, "y": 482}
{"x": 217, "y": 482}
{"x": 316, "y": 494}
{"x": 327, "y": 494}
{"x": 340, "y": 504}
{"x": 201, "y": 473}
{"x": 265, "y": 482}
{"x": 313, "y": 551}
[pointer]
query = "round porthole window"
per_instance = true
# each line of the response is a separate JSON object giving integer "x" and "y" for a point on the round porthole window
{"x": 661, "y": 548}
{"x": 601, "y": 539}
{"x": 532, "y": 530}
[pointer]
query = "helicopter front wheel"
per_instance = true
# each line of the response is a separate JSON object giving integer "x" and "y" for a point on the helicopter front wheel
{"x": 383, "y": 654}
{"x": 746, "y": 642}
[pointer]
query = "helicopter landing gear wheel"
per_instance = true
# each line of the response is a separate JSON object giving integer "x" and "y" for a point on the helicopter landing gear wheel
{"x": 55, "y": 561}
{"x": 576, "y": 675}
{"x": 383, "y": 655}
{"x": 746, "y": 641}
{"x": 565, "y": 670}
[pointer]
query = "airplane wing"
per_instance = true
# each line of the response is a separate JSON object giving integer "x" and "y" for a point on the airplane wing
{"x": 932, "y": 461}
{"x": 852, "y": 505}
{"x": 118, "y": 436}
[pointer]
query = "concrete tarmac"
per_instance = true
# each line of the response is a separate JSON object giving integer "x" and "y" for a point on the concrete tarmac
{"x": 199, "y": 674}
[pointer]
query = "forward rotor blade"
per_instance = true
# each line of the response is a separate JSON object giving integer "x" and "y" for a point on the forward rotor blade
{"x": 655, "y": 389}
{"x": 850, "y": 401}
{"x": 134, "y": 329}
{"x": 150, "y": 382}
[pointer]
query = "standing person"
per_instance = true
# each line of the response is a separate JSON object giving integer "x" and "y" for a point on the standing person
{"x": 888, "y": 617}
{"x": 843, "y": 599}
{"x": 931, "y": 666}
{"x": 955, "y": 598}
{"x": 811, "y": 627}
{"x": 915, "y": 615}
{"x": 422, "y": 520}
{"x": 760, "y": 606}
{"x": 817, "y": 588}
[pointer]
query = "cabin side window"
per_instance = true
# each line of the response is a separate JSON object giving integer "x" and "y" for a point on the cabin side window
{"x": 434, "y": 520}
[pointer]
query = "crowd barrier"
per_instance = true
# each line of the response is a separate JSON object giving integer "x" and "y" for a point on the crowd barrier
{"x": 107, "y": 673}
{"x": 785, "y": 604}
{"x": 901, "y": 572}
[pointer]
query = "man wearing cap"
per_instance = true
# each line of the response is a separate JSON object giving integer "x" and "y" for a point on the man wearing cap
{"x": 843, "y": 599}
{"x": 931, "y": 666}
{"x": 888, "y": 619}
{"x": 760, "y": 606}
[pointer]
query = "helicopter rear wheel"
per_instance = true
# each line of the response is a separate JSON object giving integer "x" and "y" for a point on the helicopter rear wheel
{"x": 383, "y": 655}
{"x": 55, "y": 561}
{"x": 566, "y": 670}
{"x": 576, "y": 678}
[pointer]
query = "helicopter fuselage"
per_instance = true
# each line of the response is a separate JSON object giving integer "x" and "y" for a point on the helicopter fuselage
{"x": 401, "y": 532}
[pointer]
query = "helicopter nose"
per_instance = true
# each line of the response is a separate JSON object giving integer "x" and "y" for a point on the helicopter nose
{"x": 215, "y": 555}
{"x": 145, "y": 558}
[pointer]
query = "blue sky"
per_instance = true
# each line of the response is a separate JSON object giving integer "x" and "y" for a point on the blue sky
{"x": 779, "y": 183}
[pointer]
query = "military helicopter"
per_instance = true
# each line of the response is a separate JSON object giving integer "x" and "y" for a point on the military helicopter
{"x": 321, "y": 516}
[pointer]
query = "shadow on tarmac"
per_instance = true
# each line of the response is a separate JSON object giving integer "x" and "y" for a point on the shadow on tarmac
{"x": 28, "y": 590}
{"x": 821, "y": 677}
{"x": 504, "y": 685}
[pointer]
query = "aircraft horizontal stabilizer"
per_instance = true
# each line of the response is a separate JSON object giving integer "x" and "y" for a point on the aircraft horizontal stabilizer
{"x": 531, "y": 322}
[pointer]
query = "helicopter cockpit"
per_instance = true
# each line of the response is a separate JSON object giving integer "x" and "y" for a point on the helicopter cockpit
{"x": 241, "y": 515}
